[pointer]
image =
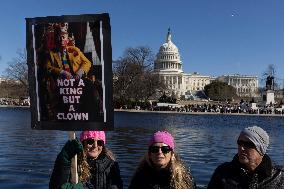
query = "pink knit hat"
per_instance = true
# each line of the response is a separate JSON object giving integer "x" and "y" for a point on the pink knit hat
{"x": 164, "y": 137}
{"x": 99, "y": 135}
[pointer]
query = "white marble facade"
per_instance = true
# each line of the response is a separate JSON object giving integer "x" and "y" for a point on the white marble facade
{"x": 246, "y": 86}
{"x": 168, "y": 65}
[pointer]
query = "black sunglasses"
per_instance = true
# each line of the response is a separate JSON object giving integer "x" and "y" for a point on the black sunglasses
{"x": 91, "y": 141}
{"x": 246, "y": 144}
{"x": 156, "y": 149}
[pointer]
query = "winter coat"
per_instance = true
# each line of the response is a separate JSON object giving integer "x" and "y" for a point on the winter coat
{"x": 232, "y": 175}
{"x": 105, "y": 174}
{"x": 149, "y": 178}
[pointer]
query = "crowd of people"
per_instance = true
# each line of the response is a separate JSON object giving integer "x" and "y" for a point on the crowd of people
{"x": 162, "y": 168}
{"x": 14, "y": 102}
{"x": 224, "y": 108}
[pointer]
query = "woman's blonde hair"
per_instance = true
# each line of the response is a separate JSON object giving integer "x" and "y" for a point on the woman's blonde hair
{"x": 180, "y": 175}
{"x": 83, "y": 166}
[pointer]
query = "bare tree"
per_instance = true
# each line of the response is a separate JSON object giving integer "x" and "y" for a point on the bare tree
{"x": 133, "y": 75}
{"x": 18, "y": 69}
{"x": 11, "y": 89}
{"x": 17, "y": 75}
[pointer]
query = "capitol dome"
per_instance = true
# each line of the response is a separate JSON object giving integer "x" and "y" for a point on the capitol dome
{"x": 168, "y": 57}
{"x": 169, "y": 46}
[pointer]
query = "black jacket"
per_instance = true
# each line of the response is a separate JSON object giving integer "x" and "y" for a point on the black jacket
{"x": 150, "y": 178}
{"x": 105, "y": 174}
{"x": 232, "y": 175}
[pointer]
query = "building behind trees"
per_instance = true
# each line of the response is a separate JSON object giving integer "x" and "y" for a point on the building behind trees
{"x": 168, "y": 65}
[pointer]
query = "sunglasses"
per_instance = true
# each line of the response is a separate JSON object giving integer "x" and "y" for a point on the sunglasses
{"x": 156, "y": 149}
{"x": 91, "y": 141}
{"x": 246, "y": 144}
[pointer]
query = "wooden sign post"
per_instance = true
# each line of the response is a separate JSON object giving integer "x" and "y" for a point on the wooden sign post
{"x": 74, "y": 166}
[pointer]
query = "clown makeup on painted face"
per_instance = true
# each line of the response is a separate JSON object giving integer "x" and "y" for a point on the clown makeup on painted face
{"x": 64, "y": 39}
{"x": 160, "y": 154}
{"x": 93, "y": 147}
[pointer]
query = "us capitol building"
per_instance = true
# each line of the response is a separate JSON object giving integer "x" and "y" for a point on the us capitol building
{"x": 168, "y": 66}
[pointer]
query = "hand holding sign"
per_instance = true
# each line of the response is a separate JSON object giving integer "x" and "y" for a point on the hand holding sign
{"x": 62, "y": 80}
{"x": 79, "y": 74}
{"x": 70, "y": 149}
{"x": 65, "y": 74}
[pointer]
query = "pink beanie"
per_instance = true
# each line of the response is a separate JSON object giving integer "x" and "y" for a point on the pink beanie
{"x": 99, "y": 135}
{"x": 163, "y": 137}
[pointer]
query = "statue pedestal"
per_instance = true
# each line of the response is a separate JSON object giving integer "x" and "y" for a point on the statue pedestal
{"x": 253, "y": 106}
{"x": 270, "y": 97}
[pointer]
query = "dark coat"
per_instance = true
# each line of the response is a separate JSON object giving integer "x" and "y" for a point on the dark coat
{"x": 232, "y": 175}
{"x": 149, "y": 178}
{"x": 105, "y": 174}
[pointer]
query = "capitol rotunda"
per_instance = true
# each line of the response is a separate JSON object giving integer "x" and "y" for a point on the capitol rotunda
{"x": 168, "y": 66}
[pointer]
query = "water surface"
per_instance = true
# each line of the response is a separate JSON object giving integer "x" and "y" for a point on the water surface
{"x": 203, "y": 142}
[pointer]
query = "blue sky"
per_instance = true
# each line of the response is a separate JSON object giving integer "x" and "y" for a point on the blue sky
{"x": 214, "y": 37}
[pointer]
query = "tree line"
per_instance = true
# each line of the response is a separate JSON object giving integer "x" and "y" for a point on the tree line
{"x": 15, "y": 84}
{"x": 134, "y": 80}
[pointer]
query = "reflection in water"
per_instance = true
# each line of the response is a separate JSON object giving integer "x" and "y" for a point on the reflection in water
{"x": 203, "y": 141}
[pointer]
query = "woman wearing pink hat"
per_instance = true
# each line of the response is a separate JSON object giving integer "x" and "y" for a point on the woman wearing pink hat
{"x": 161, "y": 167}
{"x": 97, "y": 168}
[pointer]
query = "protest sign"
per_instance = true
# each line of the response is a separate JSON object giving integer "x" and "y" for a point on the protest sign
{"x": 70, "y": 72}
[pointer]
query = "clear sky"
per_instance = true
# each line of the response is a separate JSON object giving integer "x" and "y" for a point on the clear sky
{"x": 214, "y": 37}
